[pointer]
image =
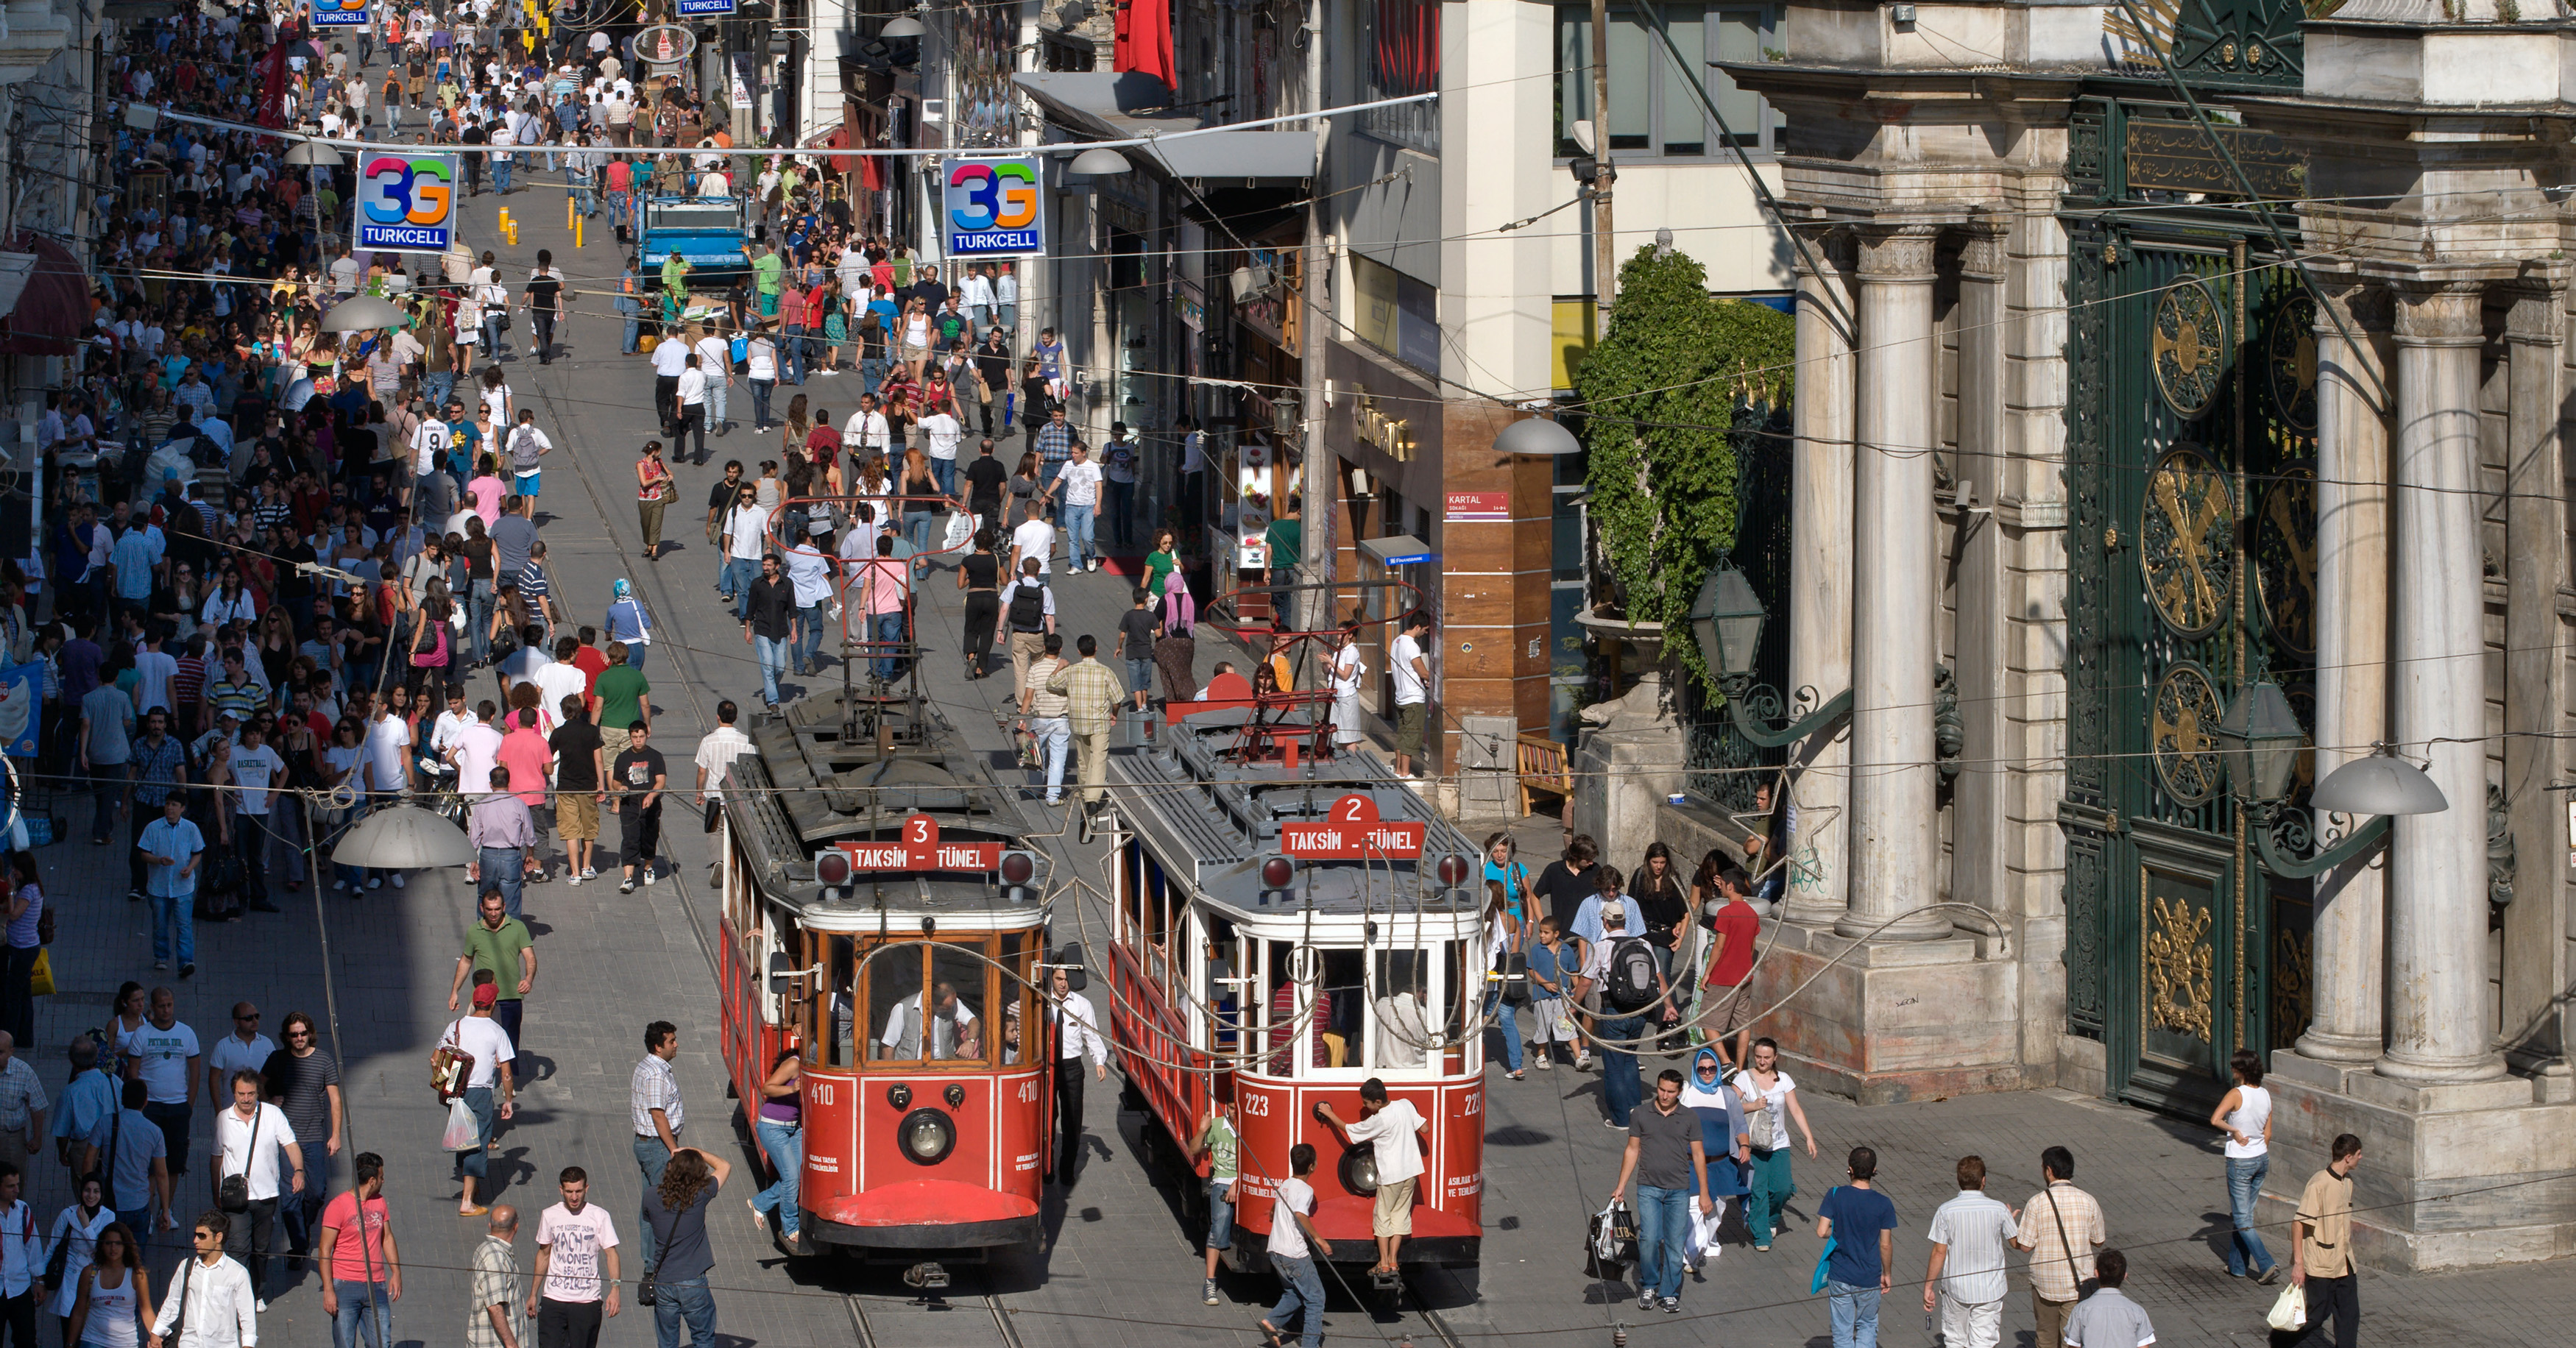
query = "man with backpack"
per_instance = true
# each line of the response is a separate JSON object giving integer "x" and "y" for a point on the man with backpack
{"x": 1028, "y": 617}
{"x": 1622, "y": 966}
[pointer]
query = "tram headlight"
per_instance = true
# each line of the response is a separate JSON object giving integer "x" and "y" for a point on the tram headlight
{"x": 1019, "y": 870}
{"x": 927, "y": 1136}
{"x": 1454, "y": 870}
{"x": 832, "y": 867}
{"x": 1359, "y": 1171}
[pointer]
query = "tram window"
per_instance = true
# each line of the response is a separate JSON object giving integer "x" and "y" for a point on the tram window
{"x": 1222, "y": 992}
{"x": 838, "y": 974}
{"x": 894, "y": 1000}
{"x": 1398, "y": 1001}
{"x": 960, "y": 965}
{"x": 1282, "y": 1019}
{"x": 1019, "y": 957}
{"x": 1345, "y": 984}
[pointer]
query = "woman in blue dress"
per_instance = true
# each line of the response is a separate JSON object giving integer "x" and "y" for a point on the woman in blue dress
{"x": 1722, "y": 1136}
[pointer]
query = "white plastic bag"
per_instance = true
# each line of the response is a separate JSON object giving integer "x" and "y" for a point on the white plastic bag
{"x": 961, "y": 526}
{"x": 1701, "y": 1246}
{"x": 2290, "y": 1313}
{"x": 462, "y": 1134}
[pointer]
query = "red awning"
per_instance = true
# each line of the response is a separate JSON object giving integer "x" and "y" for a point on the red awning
{"x": 53, "y": 311}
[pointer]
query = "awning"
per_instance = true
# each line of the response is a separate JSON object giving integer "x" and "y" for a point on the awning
{"x": 53, "y": 309}
{"x": 1113, "y": 105}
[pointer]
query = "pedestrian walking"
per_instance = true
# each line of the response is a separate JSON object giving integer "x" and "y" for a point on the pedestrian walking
{"x": 22, "y": 1106}
{"x": 163, "y": 1054}
{"x": 1043, "y": 711}
{"x": 491, "y": 1090}
{"x": 361, "y": 1264}
{"x": 74, "y": 1244}
{"x": 245, "y": 1049}
{"x": 2323, "y": 1261}
{"x": 717, "y": 750}
{"x": 22, "y": 1258}
{"x": 653, "y": 1104}
{"x": 2108, "y": 1318}
{"x": 675, "y": 1212}
{"x": 640, "y": 777}
{"x": 208, "y": 1302}
{"x": 1770, "y": 1105}
{"x": 2062, "y": 1227}
{"x": 2245, "y": 1115}
{"x": 780, "y": 1124}
{"x": 1092, "y": 699}
{"x": 1862, "y": 1223}
{"x": 304, "y": 1081}
{"x": 1621, "y": 967}
{"x": 769, "y": 625}
{"x": 1555, "y": 961}
{"x": 503, "y": 835}
{"x": 249, "y": 1138}
{"x": 497, "y": 1319}
{"x": 1722, "y": 1138}
{"x": 89, "y": 1099}
{"x": 498, "y": 945}
{"x": 1725, "y": 1003}
{"x": 1217, "y": 1140}
{"x": 112, "y": 1293}
{"x": 1294, "y": 1243}
{"x": 1667, "y": 1159}
{"x": 1025, "y": 614}
{"x": 1398, "y": 1136}
{"x": 171, "y": 847}
{"x": 1410, "y": 667}
{"x": 135, "y": 1157}
{"x": 574, "y": 1285}
{"x": 579, "y": 774}
{"x": 1073, "y": 1028}
{"x": 1965, "y": 1280}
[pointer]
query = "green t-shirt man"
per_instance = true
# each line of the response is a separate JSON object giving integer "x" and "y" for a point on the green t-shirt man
{"x": 765, "y": 271}
{"x": 622, "y": 690}
{"x": 1286, "y": 537}
{"x": 675, "y": 274}
{"x": 498, "y": 951}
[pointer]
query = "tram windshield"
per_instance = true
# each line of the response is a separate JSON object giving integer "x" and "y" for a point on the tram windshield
{"x": 926, "y": 1001}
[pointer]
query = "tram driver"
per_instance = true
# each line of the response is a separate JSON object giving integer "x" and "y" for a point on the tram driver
{"x": 953, "y": 1026}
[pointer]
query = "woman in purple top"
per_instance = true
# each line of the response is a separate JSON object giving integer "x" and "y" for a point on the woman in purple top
{"x": 782, "y": 1135}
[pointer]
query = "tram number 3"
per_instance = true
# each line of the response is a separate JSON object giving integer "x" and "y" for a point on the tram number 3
{"x": 1256, "y": 1106}
{"x": 918, "y": 831}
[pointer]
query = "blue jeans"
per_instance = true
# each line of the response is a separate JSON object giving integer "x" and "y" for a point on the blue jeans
{"x": 437, "y": 384}
{"x": 791, "y": 348}
{"x": 1055, "y": 735}
{"x": 501, "y": 175}
{"x": 650, "y": 1157}
{"x": 872, "y": 373}
{"x": 760, "y": 402}
{"x": 1663, "y": 1236}
{"x": 478, "y": 622}
{"x": 945, "y": 472}
{"x": 739, "y": 573}
{"x": 174, "y": 913}
{"x": 1509, "y": 1022}
{"x": 888, "y": 634}
{"x": 691, "y": 1301}
{"x": 1220, "y": 1234}
{"x": 582, "y": 200}
{"x": 810, "y": 621}
{"x": 492, "y": 333}
{"x": 301, "y": 1213}
{"x": 1301, "y": 1287}
{"x": 474, "y": 1163}
{"x": 774, "y": 652}
{"x": 916, "y": 527}
{"x": 502, "y": 867}
{"x": 2245, "y": 1252}
{"x": 1620, "y": 1089}
{"x": 357, "y": 1300}
{"x": 1122, "y": 511}
{"x": 108, "y": 781}
{"x": 785, "y": 1143}
{"x": 632, "y": 336}
{"x": 1078, "y": 542}
{"x": 1855, "y": 1311}
{"x": 1047, "y": 474}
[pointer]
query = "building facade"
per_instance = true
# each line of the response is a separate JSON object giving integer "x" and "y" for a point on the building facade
{"x": 2150, "y": 352}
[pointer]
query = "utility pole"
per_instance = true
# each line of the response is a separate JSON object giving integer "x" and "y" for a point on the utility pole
{"x": 1605, "y": 262}
{"x": 1322, "y": 474}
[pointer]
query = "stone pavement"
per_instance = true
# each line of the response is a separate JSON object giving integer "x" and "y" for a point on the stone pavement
{"x": 1120, "y": 1268}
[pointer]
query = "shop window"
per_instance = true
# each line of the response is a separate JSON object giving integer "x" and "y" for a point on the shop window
{"x": 1404, "y": 58}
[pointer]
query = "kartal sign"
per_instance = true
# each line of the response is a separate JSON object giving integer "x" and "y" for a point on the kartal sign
{"x": 993, "y": 208}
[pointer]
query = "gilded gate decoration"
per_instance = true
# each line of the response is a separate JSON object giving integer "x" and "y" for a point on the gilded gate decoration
{"x": 2191, "y": 421}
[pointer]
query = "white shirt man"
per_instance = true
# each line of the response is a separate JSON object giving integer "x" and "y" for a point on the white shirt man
{"x": 22, "y": 1244}
{"x": 867, "y": 429}
{"x": 1080, "y": 480}
{"x": 478, "y": 747}
{"x": 713, "y": 183}
{"x": 810, "y": 571}
{"x": 951, "y": 1024}
{"x": 693, "y": 385}
{"x": 236, "y": 1153}
{"x": 1034, "y": 538}
{"x": 556, "y": 682}
{"x": 975, "y": 291}
{"x": 1968, "y": 1236}
{"x": 207, "y": 1301}
{"x": 234, "y": 1053}
{"x": 715, "y": 358}
{"x": 670, "y": 359}
{"x": 943, "y": 433}
{"x": 747, "y": 532}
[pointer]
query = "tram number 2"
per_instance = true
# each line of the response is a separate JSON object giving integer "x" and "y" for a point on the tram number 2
{"x": 1256, "y": 1106}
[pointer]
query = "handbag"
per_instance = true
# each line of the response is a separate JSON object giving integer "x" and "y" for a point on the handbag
{"x": 1610, "y": 1243}
{"x": 1759, "y": 1129}
{"x": 2290, "y": 1312}
{"x": 40, "y": 978}
{"x": 1516, "y": 988}
{"x": 233, "y": 1194}
{"x": 1824, "y": 1257}
{"x": 648, "y": 1289}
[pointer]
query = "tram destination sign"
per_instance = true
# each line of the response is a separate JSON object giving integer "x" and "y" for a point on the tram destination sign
{"x": 1353, "y": 833}
{"x": 919, "y": 849}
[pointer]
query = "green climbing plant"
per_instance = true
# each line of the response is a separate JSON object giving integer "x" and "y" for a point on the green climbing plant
{"x": 1663, "y": 394}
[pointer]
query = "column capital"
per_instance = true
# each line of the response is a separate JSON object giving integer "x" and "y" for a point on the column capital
{"x": 2538, "y": 314}
{"x": 1983, "y": 255}
{"x": 2363, "y": 304}
{"x": 2440, "y": 313}
{"x": 1831, "y": 245}
{"x": 1899, "y": 254}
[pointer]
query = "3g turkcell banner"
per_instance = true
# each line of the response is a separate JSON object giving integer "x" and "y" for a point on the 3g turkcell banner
{"x": 994, "y": 207}
{"x": 406, "y": 203}
{"x": 340, "y": 13}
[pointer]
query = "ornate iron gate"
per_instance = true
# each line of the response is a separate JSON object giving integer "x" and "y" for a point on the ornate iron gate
{"x": 2191, "y": 557}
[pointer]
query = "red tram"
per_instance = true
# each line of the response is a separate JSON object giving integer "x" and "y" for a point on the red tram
{"x": 1287, "y": 926}
{"x": 880, "y": 915}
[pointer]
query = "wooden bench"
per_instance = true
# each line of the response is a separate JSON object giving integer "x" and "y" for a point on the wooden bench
{"x": 1543, "y": 767}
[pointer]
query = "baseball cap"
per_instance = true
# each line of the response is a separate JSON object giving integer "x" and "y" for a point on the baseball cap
{"x": 486, "y": 994}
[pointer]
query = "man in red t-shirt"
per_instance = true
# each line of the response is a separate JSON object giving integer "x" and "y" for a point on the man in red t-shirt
{"x": 362, "y": 1268}
{"x": 591, "y": 662}
{"x": 1726, "y": 1005}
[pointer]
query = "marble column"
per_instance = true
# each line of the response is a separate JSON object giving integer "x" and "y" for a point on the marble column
{"x": 1896, "y": 594}
{"x": 1820, "y": 580}
{"x": 2348, "y": 940}
{"x": 1979, "y": 873}
{"x": 2535, "y": 679}
{"x": 2437, "y": 901}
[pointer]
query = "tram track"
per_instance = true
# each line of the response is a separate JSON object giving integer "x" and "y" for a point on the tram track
{"x": 1008, "y": 1334}
{"x": 1431, "y": 1319}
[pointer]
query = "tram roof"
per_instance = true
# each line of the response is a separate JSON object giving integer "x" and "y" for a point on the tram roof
{"x": 1209, "y": 820}
{"x": 808, "y": 785}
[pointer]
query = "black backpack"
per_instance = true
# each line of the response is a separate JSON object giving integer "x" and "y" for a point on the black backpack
{"x": 1631, "y": 985}
{"x": 1028, "y": 607}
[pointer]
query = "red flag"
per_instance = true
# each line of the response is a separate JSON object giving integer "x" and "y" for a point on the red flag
{"x": 1145, "y": 39}
{"x": 272, "y": 86}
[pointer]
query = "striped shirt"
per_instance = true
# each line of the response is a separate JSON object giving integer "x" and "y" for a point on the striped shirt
{"x": 1093, "y": 693}
{"x": 496, "y": 1283}
{"x": 2059, "y": 1221}
{"x": 241, "y": 698}
{"x": 20, "y": 1093}
{"x": 1055, "y": 442}
{"x": 533, "y": 584}
{"x": 654, "y": 1087}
